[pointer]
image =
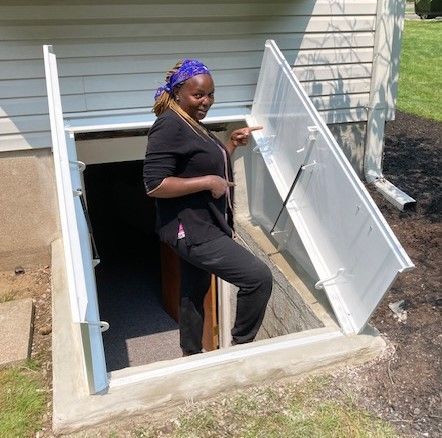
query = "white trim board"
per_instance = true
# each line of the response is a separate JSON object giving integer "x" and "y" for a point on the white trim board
{"x": 124, "y": 119}
{"x": 145, "y": 120}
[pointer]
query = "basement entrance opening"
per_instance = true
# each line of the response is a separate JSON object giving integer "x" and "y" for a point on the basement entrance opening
{"x": 132, "y": 272}
{"x": 313, "y": 195}
{"x": 129, "y": 273}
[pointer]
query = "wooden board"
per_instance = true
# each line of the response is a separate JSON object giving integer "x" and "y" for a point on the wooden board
{"x": 170, "y": 288}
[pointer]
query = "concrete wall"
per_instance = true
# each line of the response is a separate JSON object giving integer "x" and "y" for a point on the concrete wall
{"x": 286, "y": 312}
{"x": 28, "y": 212}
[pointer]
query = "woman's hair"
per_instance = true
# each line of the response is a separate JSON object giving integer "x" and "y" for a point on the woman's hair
{"x": 167, "y": 100}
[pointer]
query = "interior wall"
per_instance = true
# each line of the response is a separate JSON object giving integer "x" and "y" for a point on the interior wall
{"x": 118, "y": 205}
{"x": 111, "y": 150}
{"x": 28, "y": 213}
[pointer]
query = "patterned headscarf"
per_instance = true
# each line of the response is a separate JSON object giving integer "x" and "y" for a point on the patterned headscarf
{"x": 189, "y": 68}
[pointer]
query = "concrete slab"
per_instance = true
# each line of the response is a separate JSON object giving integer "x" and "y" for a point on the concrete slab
{"x": 16, "y": 323}
{"x": 163, "y": 385}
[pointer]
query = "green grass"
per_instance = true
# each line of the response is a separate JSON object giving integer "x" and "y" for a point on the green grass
{"x": 22, "y": 401}
{"x": 283, "y": 412}
{"x": 420, "y": 76}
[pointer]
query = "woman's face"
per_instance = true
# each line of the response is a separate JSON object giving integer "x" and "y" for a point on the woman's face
{"x": 196, "y": 96}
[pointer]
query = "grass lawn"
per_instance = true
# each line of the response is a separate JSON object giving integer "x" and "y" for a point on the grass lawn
{"x": 295, "y": 411}
{"x": 420, "y": 76}
{"x": 285, "y": 410}
{"x": 22, "y": 401}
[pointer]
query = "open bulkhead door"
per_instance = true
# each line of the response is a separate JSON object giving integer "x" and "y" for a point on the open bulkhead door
{"x": 350, "y": 245}
{"x": 76, "y": 239}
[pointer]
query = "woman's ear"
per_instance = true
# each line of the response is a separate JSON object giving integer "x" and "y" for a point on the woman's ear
{"x": 176, "y": 90}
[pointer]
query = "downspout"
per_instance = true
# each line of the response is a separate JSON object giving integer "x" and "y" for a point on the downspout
{"x": 383, "y": 92}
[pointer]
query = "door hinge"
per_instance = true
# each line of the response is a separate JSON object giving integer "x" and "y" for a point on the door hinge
{"x": 81, "y": 166}
{"x": 104, "y": 325}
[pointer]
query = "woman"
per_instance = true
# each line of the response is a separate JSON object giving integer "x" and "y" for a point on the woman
{"x": 189, "y": 173}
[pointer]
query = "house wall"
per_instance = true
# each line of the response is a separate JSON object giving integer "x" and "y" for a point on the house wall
{"x": 114, "y": 57}
{"x": 113, "y": 54}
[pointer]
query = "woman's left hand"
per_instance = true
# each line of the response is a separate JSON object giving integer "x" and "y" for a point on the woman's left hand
{"x": 241, "y": 136}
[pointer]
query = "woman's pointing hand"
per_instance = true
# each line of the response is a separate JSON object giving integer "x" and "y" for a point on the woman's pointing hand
{"x": 241, "y": 136}
{"x": 218, "y": 186}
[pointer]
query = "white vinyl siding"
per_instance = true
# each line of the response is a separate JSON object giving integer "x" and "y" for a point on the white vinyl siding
{"x": 112, "y": 55}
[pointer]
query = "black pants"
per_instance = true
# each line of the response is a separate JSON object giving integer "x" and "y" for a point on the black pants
{"x": 233, "y": 263}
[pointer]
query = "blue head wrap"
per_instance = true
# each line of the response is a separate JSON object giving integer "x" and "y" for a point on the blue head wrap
{"x": 189, "y": 68}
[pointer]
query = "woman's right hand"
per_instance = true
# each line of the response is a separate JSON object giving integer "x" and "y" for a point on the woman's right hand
{"x": 174, "y": 187}
{"x": 218, "y": 186}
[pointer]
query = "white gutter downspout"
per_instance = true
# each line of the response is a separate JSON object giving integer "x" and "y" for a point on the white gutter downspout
{"x": 383, "y": 92}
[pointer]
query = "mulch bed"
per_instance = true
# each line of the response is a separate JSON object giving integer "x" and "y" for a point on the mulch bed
{"x": 407, "y": 387}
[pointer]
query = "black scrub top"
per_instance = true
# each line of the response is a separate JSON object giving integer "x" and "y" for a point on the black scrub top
{"x": 175, "y": 149}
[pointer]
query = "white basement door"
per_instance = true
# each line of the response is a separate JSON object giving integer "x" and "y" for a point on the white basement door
{"x": 76, "y": 239}
{"x": 350, "y": 245}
